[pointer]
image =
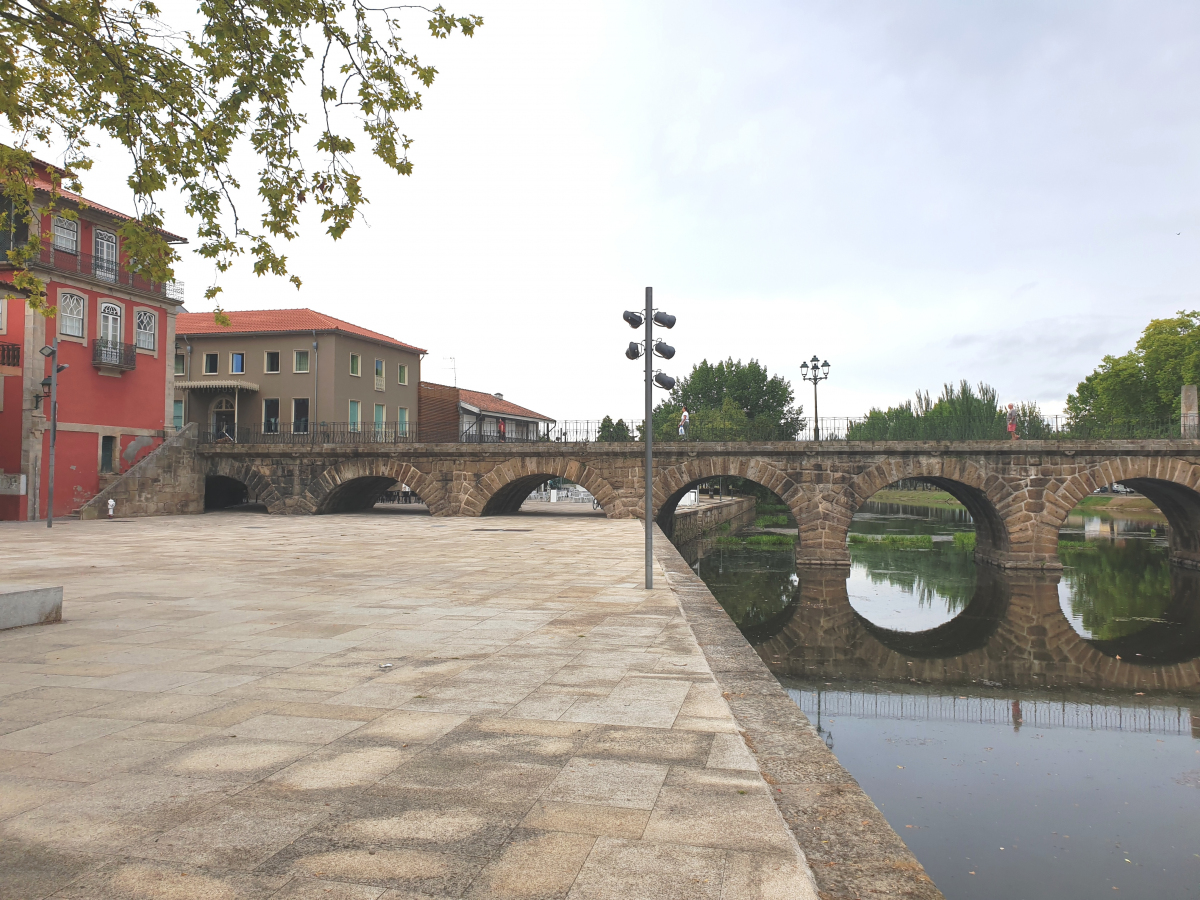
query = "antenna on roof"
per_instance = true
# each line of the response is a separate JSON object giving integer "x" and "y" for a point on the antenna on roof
{"x": 453, "y": 368}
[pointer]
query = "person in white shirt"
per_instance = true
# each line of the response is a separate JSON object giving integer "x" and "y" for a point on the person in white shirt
{"x": 683, "y": 423}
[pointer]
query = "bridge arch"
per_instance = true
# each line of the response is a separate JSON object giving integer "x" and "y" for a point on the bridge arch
{"x": 1000, "y": 524}
{"x": 503, "y": 489}
{"x": 355, "y": 484}
{"x": 1170, "y": 483}
{"x": 672, "y": 482}
{"x": 227, "y": 480}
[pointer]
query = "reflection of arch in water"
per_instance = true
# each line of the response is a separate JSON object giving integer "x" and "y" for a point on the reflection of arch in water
{"x": 357, "y": 484}
{"x": 970, "y": 630}
{"x": 503, "y": 489}
{"x": 1167, "y": 482}
{"x": 230, "y": 482}
{"x": 1032, "y": 645}
{"x": 987, "y": 499}
{"x": 1175, "y": 639}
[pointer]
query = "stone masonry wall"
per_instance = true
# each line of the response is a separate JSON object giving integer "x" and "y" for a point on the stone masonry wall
{"x": 693, "y": 521}
{"x": 170, "y": 481}
{"x": 1017, "y": 492}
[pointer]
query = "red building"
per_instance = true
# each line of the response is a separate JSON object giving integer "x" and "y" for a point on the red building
{"x": 116, "y": 332}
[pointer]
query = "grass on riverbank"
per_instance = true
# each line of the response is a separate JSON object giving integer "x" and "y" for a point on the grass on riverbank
{"x": 757, "y": 540}
{"x": 935, "y": 499}
{"x": 895, "y": 541}
{"x": 773, "y": 521}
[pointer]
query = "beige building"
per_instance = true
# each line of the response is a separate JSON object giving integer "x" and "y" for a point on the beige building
{"x": 292, "y": 371}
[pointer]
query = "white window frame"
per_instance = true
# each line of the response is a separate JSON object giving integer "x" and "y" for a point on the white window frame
{"x": 65, "y": 230}
{"x": 401, "y": 373}
{"x": 61, "y": 316}
{"x": 278, "y": 362}
{"x": 402, "y": 420}
{"x": 98, "y": 238}
{"x": 3, "y": 316}
{"x": 355, "y": 358}
{"x": 307, "y": 363}
{"x": 354, "y": 423}
{"x": 152, "y": 315}
{"x": 109, "y": 301}
{"x": 380, "y": 375}
{"x": 378, "y": 420}
{"x": 232, "y": 354}
{"x": 216, "y": 369}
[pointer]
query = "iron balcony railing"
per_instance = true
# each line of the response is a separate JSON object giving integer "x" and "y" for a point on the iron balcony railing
{"x": 10, "y": 354}
{"x": 866, "y": 428}
{"x": 114, "y": 355}
{"x": 104, "y": 269}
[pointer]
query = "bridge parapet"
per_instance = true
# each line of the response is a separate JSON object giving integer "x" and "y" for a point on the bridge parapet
{"x": 1018, "y": 493}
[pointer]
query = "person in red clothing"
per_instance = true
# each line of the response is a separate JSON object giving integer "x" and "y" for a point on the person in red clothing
{"x": 1012, "y": 423}
{"x": 500, "y": 429}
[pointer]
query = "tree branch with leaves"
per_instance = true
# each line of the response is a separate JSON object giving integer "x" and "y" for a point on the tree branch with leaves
{"x": 182, "y": 105}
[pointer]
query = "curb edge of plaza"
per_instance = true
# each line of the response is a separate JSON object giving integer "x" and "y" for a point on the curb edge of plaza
{"x": 848, "y": 844}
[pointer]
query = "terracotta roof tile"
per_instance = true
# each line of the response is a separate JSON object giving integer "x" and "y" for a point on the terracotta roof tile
{"x": 493, "y": 404}
{"x": 254, "y": 321}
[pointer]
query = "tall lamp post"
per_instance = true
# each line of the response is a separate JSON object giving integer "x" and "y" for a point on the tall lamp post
{"x": 50, "y": 385}
{"x": 819, "y": 372}
{"x": 650, "y": 348}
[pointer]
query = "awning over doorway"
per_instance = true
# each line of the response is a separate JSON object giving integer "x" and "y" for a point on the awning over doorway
{"x": 227, "y": 385}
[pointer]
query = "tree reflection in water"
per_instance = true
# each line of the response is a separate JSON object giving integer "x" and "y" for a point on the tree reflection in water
{"x": 1111, "y": 590}
{"x": 942, "y": 575}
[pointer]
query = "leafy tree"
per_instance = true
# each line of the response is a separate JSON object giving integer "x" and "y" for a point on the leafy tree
{"x": 613, "y": 431}
{"x": 185, "y": 105}
{"x": 731, "y": 400}
{"x": 960, "y": 413}
{"x": 1143, "y": 384}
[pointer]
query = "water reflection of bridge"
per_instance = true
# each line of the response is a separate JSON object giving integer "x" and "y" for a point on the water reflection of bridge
{"x": 1013, "y": 632}
{"x": 1090, "y": 714}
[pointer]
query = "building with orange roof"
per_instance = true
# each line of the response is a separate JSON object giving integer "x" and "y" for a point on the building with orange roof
{"x": 115, "y": 331}
{"x": 286, "y": 371}
{"x": 457, "y": 414}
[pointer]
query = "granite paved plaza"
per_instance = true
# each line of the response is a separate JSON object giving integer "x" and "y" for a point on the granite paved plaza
{"x": 369, "y": 706}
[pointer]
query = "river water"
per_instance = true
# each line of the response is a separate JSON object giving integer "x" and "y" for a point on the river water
{"x": 1017, "y": 730}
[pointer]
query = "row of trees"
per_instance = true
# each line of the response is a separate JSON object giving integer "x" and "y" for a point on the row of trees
{"x": 1136, "y": 394}
{"x": 726, "y": 401}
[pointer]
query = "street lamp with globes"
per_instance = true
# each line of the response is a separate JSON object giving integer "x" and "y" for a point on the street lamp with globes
{"x": 819, "y": 372}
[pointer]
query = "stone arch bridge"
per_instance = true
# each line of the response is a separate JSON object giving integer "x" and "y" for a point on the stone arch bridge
{"x": 1018, "y": 493}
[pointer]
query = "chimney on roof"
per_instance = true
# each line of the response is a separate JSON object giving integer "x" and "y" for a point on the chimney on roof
{"x": 498, "y": 396}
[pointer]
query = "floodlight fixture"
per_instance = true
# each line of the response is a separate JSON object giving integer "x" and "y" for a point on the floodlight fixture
{"x": 666, "y": 351}
{"x": 47, "y": 351}
{"x": 633, "y": 351}
{"x": 634, "y": 319}
{"x": 666, "y": 320}
{"x": 666, "y": 382}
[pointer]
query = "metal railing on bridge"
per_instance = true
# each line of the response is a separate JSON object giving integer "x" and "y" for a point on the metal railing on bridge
{"x": 833, "y": 429}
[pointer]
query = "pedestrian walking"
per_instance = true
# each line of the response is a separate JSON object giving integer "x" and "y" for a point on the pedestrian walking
{"x": 1012, "y": 423}
{"x": 683, "y": 423}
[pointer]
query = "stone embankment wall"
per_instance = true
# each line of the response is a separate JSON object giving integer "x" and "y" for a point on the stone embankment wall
{"x": 692, "y": 522}
{"x": 168, "y": 482}
{"x": 854, "y": 852}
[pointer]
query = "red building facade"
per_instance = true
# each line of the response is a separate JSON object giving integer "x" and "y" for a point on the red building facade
{"x": 115, "y": 332}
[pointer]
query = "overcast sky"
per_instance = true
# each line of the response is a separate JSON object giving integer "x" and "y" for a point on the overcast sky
{"x": 917, "y": 192}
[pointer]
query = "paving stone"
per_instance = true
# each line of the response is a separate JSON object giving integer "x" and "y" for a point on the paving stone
{"x": 229, "y": 729}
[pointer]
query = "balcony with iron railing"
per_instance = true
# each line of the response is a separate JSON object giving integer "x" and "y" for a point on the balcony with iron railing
{"x": 114, "y": 355}
{"x": 102, "y": 268}
{"x": 10, "y": 355}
